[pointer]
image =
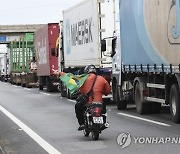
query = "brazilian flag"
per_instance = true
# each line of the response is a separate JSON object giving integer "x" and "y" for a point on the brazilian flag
{"x": 73, "y": 82}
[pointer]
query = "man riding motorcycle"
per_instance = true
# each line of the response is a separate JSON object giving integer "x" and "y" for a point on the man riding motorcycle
{"x": 101, "y": 87}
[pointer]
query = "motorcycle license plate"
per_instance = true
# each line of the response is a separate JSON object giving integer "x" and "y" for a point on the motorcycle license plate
{"x": 98, "y": 120}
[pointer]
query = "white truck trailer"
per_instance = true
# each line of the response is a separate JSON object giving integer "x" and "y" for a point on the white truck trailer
{"x": 146, "y": 59}
{"x": 4, "y": 62}
{"x": 85, "y": 27}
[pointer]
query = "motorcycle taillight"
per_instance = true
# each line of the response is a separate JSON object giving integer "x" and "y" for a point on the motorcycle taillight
{"x": 97, "y": 111}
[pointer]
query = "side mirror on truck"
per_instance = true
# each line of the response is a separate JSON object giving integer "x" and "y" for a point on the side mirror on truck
{"x": 113, "y": 46}
{"x": 103, "y": 45}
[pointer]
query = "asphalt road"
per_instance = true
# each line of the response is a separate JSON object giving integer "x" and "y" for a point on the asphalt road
{"x": 37, "y": 122}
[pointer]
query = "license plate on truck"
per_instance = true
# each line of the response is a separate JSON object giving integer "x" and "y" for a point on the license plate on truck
{"x": 98, "y": 120}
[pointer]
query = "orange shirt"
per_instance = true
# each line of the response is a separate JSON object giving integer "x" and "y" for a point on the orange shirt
{"x": 101, "y": 87}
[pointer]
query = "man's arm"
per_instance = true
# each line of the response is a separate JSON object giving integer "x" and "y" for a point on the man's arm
{"x": 58, "y": 73}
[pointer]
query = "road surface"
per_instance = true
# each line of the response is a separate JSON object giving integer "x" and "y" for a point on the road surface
{"x": 38, "y": 122}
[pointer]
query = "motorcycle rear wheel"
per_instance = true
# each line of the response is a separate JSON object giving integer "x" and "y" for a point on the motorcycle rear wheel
{"x": 95, "y": 133}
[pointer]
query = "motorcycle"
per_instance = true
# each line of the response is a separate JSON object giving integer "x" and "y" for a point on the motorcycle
{"x": 95, "y": 120}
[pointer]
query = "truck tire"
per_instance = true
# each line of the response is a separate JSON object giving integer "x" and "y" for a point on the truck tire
{"x": 23, "y": 84}
{"x": 41, "y": 82}
{"x": 49, "y": 85}
{"x": 28, "y": 85}
{"x": 174, "y": 103}
{"x": 121, "y": 104}
{"x": 48, "y": 88}
{"x": 69, "y": 95}
{"x": 63, "y": 90}
{"x": 41, "y": 87}
{"x": 141, "y": 107}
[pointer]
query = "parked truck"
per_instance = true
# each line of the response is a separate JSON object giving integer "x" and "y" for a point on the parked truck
{"x": 4, "y": 60}
{"x": 47, "y": 56}
{"x": 86, "y": 26}
{"x": 4, "y": 70}
{"x": 146, "y": 56}
{"x": 23, "y": 61}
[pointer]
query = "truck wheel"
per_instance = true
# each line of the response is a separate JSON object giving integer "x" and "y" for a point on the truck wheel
{"x": 174, "y": 103}
{"x": 23, "y": 84}
{"x": 63, "y": 90}
{"x": 40, "y": 87}
{"x": 69, "y": 96}
{"x": 49, "y": 85}
{"x": 141, "y": 108}
{"x": 121, "y": 104}
{"x": 27, "y": 85}
{"x": 63, "y": 94}
{"x": 48, "y": 88}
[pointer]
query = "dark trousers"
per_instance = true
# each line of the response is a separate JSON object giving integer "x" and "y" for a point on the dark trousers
{"x": 79, "y": 110}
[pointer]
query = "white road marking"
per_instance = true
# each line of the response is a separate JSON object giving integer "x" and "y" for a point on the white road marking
{"x": 27, "y": 89}
{"x": 15, "y": 86}
{"x": 45, "y": 145}
{"x": 45, "y": 93}
{"x": 71, "y": 100}
{"x": 1, "y": 150}
{"x": 143, "y": 119}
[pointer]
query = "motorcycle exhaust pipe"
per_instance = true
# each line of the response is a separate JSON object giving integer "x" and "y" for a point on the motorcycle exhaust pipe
{"x": 106, "y": 124}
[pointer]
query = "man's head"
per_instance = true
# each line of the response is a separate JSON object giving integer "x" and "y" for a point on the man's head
{"x": 90, "y": 69}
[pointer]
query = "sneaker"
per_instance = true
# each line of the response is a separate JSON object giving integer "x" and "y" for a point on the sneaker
{"x": 81, "y": 127}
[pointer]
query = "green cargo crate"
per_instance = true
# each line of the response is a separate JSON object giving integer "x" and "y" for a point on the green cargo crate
{"x": 21, "y": 53}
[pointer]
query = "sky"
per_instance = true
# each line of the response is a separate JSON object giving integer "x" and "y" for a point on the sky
{"x": 14, "y": 12}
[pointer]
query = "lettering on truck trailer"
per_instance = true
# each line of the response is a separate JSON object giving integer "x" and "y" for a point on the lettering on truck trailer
{"x": 174, "y": 21}
{"x": 81, "y": 32}
{"x": 176, "y": 29}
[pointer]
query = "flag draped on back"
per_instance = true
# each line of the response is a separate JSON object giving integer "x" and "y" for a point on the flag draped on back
{"x": 73, "y": 82}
